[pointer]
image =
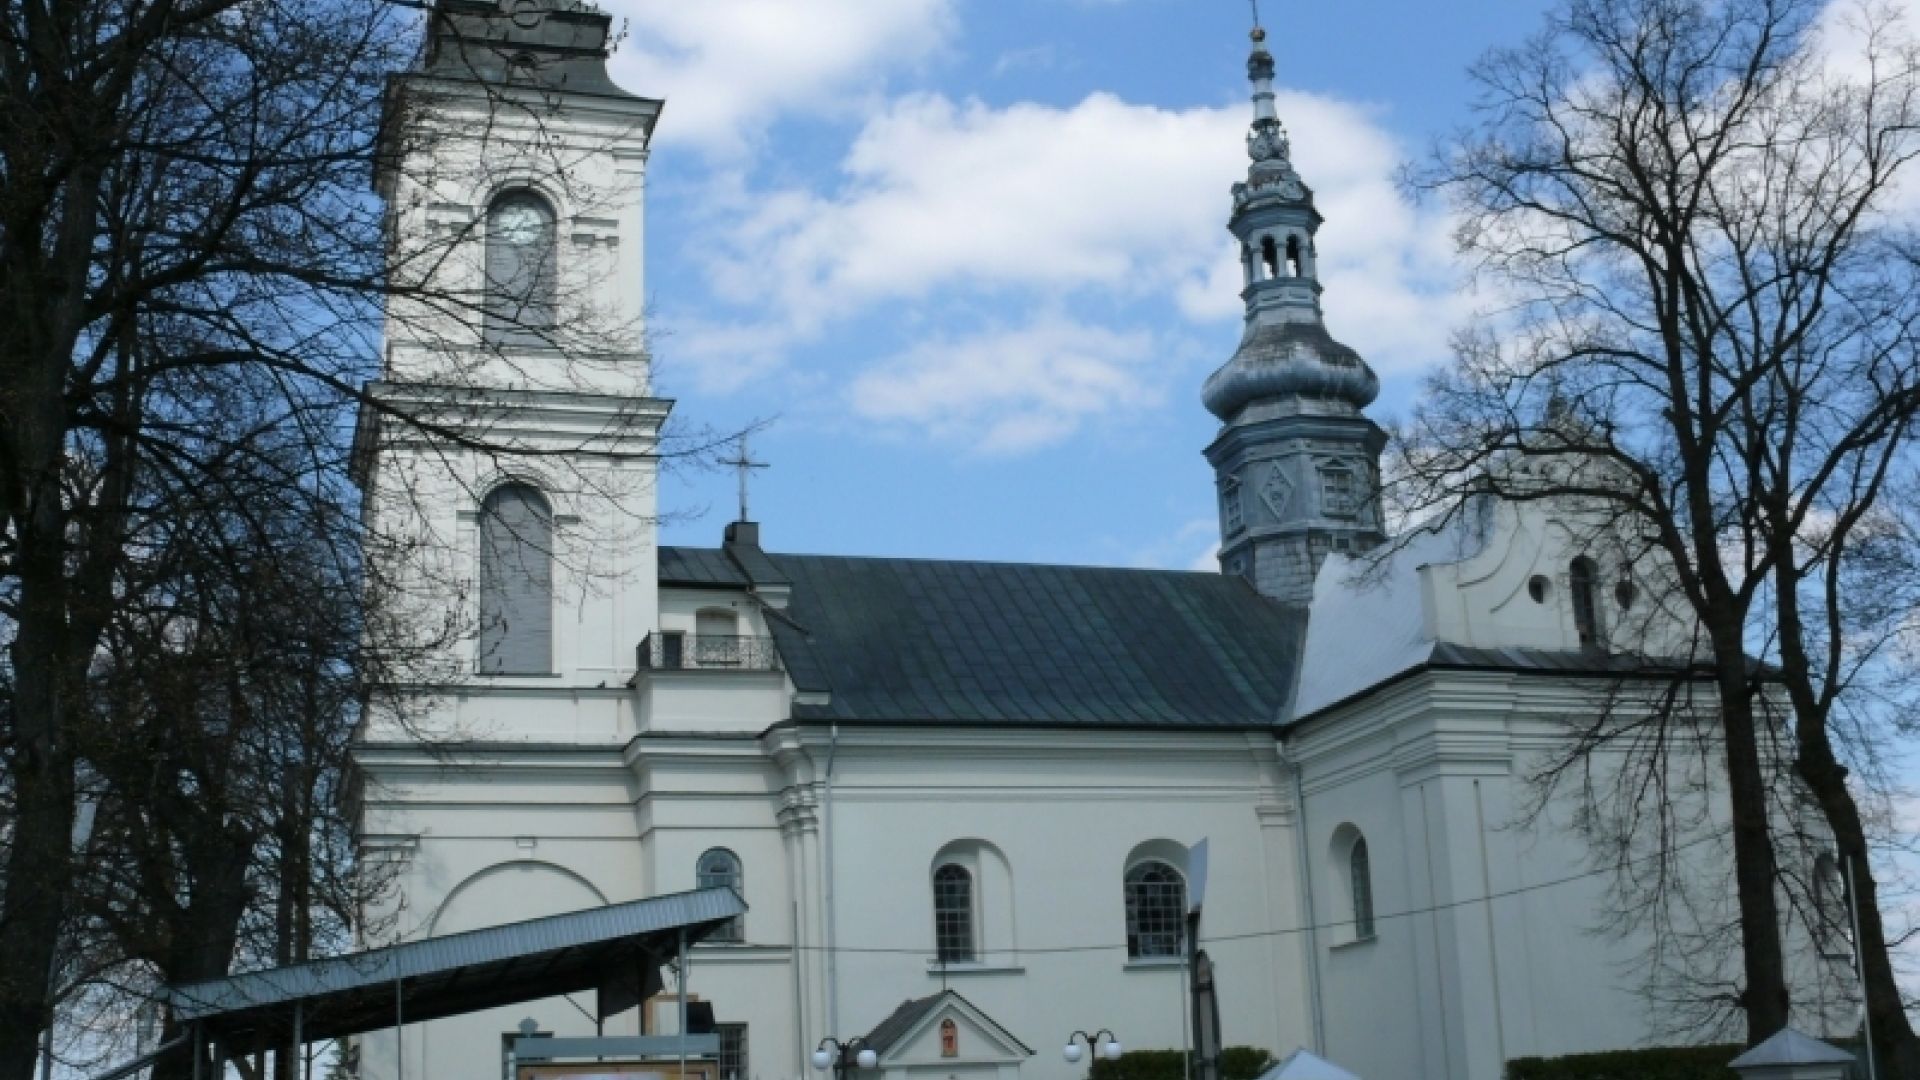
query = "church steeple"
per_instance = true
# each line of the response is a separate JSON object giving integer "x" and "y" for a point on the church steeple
{"x": 1297, "y": 462}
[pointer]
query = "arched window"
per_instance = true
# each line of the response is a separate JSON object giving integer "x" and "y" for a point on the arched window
{"x": 953, "y": 914}
{"x": 1156, "y": 898}
{"x": 1293, "y": 256}
{"x": 1360, "y": 875}
{"x": 522, "y": 269}
{"x": 1270, "y": 257}
{"x": 1832, "y": 920}
{"x": 720, "y": 867}
{"x": 1581, "y": 578}
{"x": 516, "y": 582}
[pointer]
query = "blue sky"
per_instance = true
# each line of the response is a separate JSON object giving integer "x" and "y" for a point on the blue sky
{"x": 969, "y": 255}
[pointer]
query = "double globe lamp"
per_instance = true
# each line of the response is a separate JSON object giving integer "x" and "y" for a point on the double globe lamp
{"x": 1110, "y": 1049}
{"x": 824, "y": 1058}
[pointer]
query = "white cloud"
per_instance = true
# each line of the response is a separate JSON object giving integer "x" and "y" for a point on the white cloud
{"x": 1006, "y": 391}
{"x": 730, "y": 68}
{"x": 1101, "y": 198}
{"x": 1036, "y": 58}
{"x": 721, "y": 358}
{"x": 1193, "y": 546}
{"x": 1208, "y": 561}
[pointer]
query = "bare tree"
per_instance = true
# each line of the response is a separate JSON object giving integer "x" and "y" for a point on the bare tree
{"x": 196, "y": 269}
{"x": 1689, "y": 211}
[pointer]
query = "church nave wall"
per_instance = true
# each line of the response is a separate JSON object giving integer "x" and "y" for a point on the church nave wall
{"x": 1050, "y": 825}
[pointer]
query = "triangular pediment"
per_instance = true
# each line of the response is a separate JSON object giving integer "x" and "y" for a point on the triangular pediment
{"x": 918, "y": 1031}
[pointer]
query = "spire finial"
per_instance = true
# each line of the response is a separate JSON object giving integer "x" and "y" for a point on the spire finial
{"x": 1267, "y": 140}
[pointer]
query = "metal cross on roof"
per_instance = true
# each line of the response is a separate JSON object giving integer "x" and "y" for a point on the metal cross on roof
{"x": 745, "y": 464}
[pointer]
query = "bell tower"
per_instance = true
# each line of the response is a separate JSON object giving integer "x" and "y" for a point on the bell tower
{"x": 1296, "y": 461}
{"x": 507, "y": 458}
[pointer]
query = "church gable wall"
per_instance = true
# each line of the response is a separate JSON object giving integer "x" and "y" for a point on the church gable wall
{"x": 1519, "y": 588}
{"x": 1438, "y": 773}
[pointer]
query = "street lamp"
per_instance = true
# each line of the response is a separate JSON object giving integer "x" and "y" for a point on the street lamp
{"x": 1109, "y": 1049}
{"x": 844, "y": 1055}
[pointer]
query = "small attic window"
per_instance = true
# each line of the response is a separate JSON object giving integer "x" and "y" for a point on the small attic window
{"x": 1537, "y": 587}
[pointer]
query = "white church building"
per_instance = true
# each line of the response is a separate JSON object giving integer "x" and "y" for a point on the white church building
{"x": 947, "y": 791}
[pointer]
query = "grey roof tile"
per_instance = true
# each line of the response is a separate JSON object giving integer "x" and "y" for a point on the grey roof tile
{"x": 926, "y": 641}
{"x": 699, "y": 567}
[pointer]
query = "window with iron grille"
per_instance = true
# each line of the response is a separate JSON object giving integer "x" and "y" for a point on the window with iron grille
{"x": 733, "y": 1051}
{"x": 722, "y": 867}
{"x": 953, "y": 914}
{"x": 1156, "y": 910}
{"x": 1362, "y": 877}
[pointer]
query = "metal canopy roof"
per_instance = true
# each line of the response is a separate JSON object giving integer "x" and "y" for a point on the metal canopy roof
{"x": 616, "y": 949}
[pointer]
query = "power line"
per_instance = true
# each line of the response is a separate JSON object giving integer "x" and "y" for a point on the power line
{"x": 1254, "y": 935}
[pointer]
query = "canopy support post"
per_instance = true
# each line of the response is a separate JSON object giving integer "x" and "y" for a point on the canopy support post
{"x": 683, "y": 1003}
{"x": 299, "y": 1038}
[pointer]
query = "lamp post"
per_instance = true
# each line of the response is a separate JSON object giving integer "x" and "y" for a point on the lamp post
{"x": 844, "y": 1055}
{"x": 1109, "y": 1048}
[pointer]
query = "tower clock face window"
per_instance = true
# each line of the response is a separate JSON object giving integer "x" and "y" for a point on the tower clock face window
{"x": 519, "y": 223}
{"x": 521, "y": 269}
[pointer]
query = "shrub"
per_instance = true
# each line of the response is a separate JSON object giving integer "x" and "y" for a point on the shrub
{"x": 1666, "y": 1063}
{"x": 1236, "y": 1063}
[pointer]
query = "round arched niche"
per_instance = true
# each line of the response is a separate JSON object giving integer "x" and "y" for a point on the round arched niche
{"x": 513, "y": 892}
{"x": 996, "y": 935}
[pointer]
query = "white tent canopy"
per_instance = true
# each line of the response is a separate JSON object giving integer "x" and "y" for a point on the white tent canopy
{"x": 1304, "y": 1065}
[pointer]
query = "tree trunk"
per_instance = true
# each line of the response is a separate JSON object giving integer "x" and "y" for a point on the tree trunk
{"x": 208, "y": 929}
{"x": 1894, "y": 1043}
{"x": 48, "y": 648}
{"x": 40, "y": 863}
{"x": 1765, "y": 997}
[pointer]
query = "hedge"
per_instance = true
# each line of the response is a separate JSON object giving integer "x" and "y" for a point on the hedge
{"x": 1668, "y": 1063}
{"x": 1236, "y": 1063}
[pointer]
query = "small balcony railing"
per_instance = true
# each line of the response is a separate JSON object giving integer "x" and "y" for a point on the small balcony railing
{"x": 672, "y": 651}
